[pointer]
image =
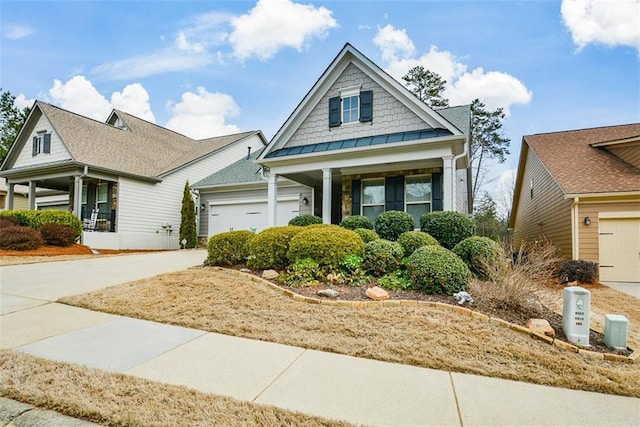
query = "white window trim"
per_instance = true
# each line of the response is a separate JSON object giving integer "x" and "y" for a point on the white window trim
{"x": 348, "y": 92}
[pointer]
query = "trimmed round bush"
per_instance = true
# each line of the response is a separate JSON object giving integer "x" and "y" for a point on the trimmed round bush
{"x": 449, "y": 228}
{"x": 7, "y": 221}
{"x": 366, "y": 235}
{"x": 356, "y": 221}
{"x": 578, "y": 269}
{"x": 434, "y": 269}
{"x": 391, "y": 224}
{"x": 479, "y": 253}
{"x": 303, "y": 220}
{"x": 36, "y": 219}
{"x": 20, "y": 238}
{"x": 229, "y": 248}
{"x": 412, "y": 240}
{"x": 325, "y": 245}
{"x": 381, "y": 257}
{"x": 58, "y": 235}
{"x": 269, "y": 248}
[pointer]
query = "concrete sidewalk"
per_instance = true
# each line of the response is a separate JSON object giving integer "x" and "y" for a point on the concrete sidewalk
{"x": 357, "y": 390}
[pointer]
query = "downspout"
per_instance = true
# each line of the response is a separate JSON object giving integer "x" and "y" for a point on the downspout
{"x": 575, "y": 226}
{"x": 465, "y": 151}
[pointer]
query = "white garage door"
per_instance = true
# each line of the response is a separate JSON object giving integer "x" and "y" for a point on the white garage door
{"x": 619, "y": 249}
{"x": 247, "y": 216}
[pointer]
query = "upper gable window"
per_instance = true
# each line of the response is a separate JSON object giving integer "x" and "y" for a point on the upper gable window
{"x": 352, "y": 106}
{"x": 41, "y": 143}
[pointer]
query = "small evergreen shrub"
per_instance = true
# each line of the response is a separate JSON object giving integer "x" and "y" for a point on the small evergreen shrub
{"x": 302, "y": 272}
{"x": 381, "y": 257}
{"x": 395, "y": 281}
{"x": 434, "y": 269}
{"x": 325, "y": 245}
{"x": 356, "y": 221}
{"x": 412, "y": 240}
{"x": 578, "y": 270}
{"x": 58, "y": 235}
{"x": 351, "y": 263}
{"x": 391, "y": 224}
{"x": 449, "y": 228}
{"x": 7, "y": 221}
{"x": 269, "y": 248}
{"x": 20, "y": 238}
{"x": 36, "y": 219}
{"x": 366, "y": 234}
{"x": 303, "y": 220}
{"x": 229, "y": 248}
{"x": 480, "y": 253}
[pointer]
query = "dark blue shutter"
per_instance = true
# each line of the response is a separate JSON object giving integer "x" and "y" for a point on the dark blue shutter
{"x": 46, "y": 144}
{"x": 355, "y": 196}
{"x": 394, "y": 193}
{"x": 366, "y": 106}
{"x": 334, "y": 111}
{"x": 436, "y": 191}
{"x": 34, "y": 148}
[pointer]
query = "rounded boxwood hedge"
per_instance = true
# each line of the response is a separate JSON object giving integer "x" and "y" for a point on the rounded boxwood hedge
{"x": 229, "y": 248}
{"x": 434, "y": 269}
{"x": 326, "y": 245}
{"x": 412, "y": 240}
{"x": 381, "y": 257}
{"x": 366, "y": 235}
{"x": 479, "y": 253}
{"x": 20, "y": 238}
{"x": 269, "y": 248}
{"x": 36, "y": 219}
{"x": 356, "y": 221}
{"x": 58, "y": 235}
{"x": 391, "y": 224}
{"x": 449, "y": 228}
{"x": 303, "y": 220}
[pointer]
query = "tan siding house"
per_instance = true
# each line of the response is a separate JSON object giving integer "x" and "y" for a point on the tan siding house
{"x": 581, "y": 190}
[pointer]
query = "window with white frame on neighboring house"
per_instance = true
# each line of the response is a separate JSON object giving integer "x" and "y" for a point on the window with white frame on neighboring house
{"x": 418, "y": 196}
{"x": 372, "y": 198}
{"x": 41, "y": 143}
{"x": 352, "y": 106}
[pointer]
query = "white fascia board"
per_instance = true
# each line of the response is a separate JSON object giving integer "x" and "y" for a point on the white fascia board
{"x": 596, "y": 195}
{"x": 249, "y": 201}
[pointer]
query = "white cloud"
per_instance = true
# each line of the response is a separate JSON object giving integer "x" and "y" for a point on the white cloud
{"x": 16, "y": 32}
{"x": 607, "y": 22}
{"x": 134, "y": 100}
{"x": 23, "y": 102}
{"x": 496, "y": 89}
{"x": 203, "y": 114}
{"x": 274, "y": 24}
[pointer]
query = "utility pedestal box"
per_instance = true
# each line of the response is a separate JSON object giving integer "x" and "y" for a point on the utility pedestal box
{"x": 575, "y": 315}
{"x": 616, "y": 329}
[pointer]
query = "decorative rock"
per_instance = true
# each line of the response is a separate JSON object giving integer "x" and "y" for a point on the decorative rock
{"x": 245, "y": 270}
{"x": 542, "y": 326}
{"x": 270, "y": 274}
{"x": 463, "y": 297}
{"x": 331, "y": 293}
{"x": 377, "y": 293}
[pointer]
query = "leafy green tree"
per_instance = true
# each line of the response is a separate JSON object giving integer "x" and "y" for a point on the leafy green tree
{"x": 427, "y": 86}
{"x": 488, "y": 222}
{"x": 11, "y": 121}
{"x": 188, "y": 223}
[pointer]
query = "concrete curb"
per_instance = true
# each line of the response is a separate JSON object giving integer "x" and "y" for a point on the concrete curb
{"x": 587, "y": 354}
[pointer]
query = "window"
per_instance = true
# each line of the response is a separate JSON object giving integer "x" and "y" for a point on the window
{"x": 101, "y": 197}
{"x": 372, "y": 198}
{"x": 41, "y": 143}
{"x": 418, "y": 196}
{"x": 350, "y": 109}
{"x": 352, "y": 106}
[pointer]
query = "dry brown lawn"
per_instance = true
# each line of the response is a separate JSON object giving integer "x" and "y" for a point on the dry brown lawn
{"x": 219, "y": 301}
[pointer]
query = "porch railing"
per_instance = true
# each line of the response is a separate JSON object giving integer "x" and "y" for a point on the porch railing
{"x": 99, "y": 221}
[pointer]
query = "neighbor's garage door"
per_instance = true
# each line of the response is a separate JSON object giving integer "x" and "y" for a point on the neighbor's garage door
{"x": 248, "y": 216}
{"x": 619, "y": 243}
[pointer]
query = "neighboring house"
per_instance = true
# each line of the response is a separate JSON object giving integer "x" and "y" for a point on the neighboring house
{"x": 365, "y": 144}
{"x": 124, "y": 178}
{"x": 235, "y": 198}
{"x": 20, "y": 196}
{"x": 581, "y": 190}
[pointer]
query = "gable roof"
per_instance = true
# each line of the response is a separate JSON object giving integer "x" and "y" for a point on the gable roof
{"x": 243, "y": 171}
{"x": 140, "y": 148}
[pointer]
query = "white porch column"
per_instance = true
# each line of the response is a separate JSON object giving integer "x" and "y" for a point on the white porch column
{"x": 32, "y": 195}
{"x": 326, "y": 196}
{"x": 272, "y": 200}
{"x": 10, "y": 193}
{"x": 77, "y": 196}
{"x": 448, "y": 181}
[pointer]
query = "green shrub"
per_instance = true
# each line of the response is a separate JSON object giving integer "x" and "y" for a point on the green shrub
{"x": 356, "y": 221}
{"x": 434, "y": 269}
{"x": 366, "y": 234}
{"x": 412, "y": 240}
{"x": 449, "y": 228}
{"x": 36, "y": 219}
{"x": 326, "y": 245}
{"x": 20, "y": 238}
{"x": 480, "y": 253}
{"x": 58, "y": 235}
{"x": 269, "y": 248}
{"x": 229, "y": 248}
{"x": 381, "y": 257}
{"x": 578, "y": 270}
{"x": 395, "y": 281}
{"x": 391, "y": 224}
{"x": 351, "y": 263}
{"x": 303, "y": 220}
{"x": 302, "y": 272}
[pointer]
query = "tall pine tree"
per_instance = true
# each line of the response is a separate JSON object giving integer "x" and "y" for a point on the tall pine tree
{"x": 188, "y": 223}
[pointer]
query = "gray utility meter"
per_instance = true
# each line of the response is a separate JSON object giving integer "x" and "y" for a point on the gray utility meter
{"x": 575, "y": 315}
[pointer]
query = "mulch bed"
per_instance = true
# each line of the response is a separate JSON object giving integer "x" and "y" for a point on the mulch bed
{"x": 46, "y": 250}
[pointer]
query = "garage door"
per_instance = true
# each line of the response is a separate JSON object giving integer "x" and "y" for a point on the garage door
{"x": 619, "y": 249}
{"x": 247, "y": 216}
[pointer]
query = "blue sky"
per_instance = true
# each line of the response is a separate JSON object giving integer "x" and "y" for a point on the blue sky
{"x": 207, "y": 68}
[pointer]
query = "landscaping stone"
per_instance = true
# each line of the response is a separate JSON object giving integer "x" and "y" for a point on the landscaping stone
{"x": 245, "y": 270}
{"x": 270, "y": 274}
{"x": 331, "y": 293}
{"x": 542, "y": 326}
{"x": 377, "y": 293}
